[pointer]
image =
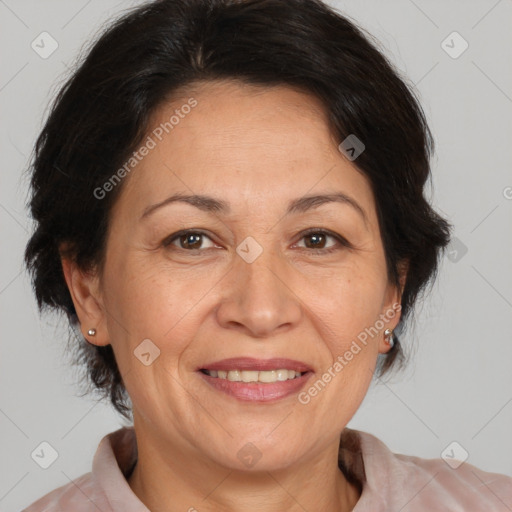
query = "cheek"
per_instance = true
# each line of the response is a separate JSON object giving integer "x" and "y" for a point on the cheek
{"x": 347, "y": 302}
{"x": 144, "y": 302}
{"x": 151, "y": 314}
{"x": 150, "y": 295}
{"x": 345, "y": 310}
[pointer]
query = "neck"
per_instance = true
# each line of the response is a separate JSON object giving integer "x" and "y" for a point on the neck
{"x": 173, "y": 480}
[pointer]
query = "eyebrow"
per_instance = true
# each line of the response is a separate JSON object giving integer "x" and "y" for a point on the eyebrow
{"x": 301, "y": 205}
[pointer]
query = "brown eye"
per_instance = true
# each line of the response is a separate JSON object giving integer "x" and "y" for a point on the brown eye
{"x": 191, "y": 241}
{"x": 317, "y": 241}
{"x": 187, "y": 241}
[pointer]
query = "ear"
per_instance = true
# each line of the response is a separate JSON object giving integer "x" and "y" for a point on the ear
{"x": 85, "y": 291}
{"x": 392, "y": 308}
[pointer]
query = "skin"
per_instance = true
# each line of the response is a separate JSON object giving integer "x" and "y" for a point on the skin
{"x": 257, "y": 149}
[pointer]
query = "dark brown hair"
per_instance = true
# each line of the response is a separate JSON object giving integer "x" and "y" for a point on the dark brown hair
{"x": 101, "y": 114}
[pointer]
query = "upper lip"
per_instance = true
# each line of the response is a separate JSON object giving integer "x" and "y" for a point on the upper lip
{"x": 250, "y": 363}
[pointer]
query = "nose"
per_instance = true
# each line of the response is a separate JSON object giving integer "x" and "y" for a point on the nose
{"x": 259, "y": 299}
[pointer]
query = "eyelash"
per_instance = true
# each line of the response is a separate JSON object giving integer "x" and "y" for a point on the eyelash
{"x": 312, "y": 231}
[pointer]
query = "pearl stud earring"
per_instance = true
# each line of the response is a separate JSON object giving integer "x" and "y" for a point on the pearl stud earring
{"x": 388, "y": 337}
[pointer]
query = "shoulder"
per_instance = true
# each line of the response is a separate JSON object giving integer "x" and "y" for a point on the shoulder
{"x": 464, "y": 487}
{"x": 409, "y": 483}
{"x": 80, "y": 495}
{"x": 105, "y": 487}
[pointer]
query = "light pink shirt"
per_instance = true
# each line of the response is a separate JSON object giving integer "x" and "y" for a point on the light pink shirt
{"x": 390, "y": 482}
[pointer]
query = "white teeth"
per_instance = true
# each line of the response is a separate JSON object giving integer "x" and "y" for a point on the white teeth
{"x": 234, "y": 375}
{"x": 249, "y": 376}
{"x": 283, "y": 375}
{"x": 270, "y": 376}
{"x": 267, "y": 376}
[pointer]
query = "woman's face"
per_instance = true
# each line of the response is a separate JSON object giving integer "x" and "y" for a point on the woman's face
{"x": 247, "y": 282}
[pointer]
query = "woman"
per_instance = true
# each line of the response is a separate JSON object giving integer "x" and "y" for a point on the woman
{"x": 230, "y": 210}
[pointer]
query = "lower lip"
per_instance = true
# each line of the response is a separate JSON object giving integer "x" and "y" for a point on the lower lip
{"x": 257, "y": 391}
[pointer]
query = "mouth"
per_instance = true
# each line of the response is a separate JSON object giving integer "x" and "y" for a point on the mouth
{"x": 259, "y": 380}
{"x": 265, "y": 376}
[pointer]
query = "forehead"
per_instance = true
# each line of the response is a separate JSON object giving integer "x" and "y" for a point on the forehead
{"x": 233, "y": 118}
{"x": 248, "y": 144}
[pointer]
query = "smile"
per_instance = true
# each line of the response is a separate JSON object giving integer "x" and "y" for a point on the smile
{"x": 265, "y": 376}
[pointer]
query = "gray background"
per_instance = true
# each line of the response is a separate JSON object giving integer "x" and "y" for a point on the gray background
{"x": 458, "y": 386}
